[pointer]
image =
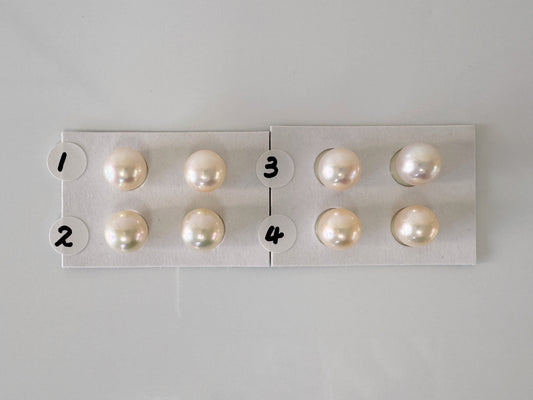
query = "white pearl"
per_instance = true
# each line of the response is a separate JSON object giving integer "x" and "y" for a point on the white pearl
{"x": 205, "y": 170}
{"x": 338, "y": 228}
{"x": 416, "y": 164}
{"x": 126, "y": 231}
{"x": 125, "y": 169}
{"x": 414, "y": 226}
{"x": 338, "y": 169}
{"x": 202, "y": 229}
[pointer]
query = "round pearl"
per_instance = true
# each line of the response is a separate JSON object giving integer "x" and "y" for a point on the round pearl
{"x": 202, "y": 229}
{"x": 125, "y": 169}
{"x": 205, "y": 170}
{"x": 338, "y": 169}
{"x": 416, "y": 164}
{"x": 338, "y": 228}
{"x": 126, "y": 231}
{"x": 414, "y": 226}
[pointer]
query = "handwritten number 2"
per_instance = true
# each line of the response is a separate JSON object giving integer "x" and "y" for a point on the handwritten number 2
{"x": 273, "y": 165}
{"x": 63, "y": 239}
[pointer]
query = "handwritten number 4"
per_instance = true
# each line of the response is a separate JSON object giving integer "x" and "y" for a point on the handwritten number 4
{"x": 273, "y": 234}
{"x": 273, "y": 165}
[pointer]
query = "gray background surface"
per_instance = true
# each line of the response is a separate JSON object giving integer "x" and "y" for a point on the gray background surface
{"x": 338, "y": 333}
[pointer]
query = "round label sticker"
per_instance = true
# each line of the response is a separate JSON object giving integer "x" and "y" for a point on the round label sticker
{"x": 275, "y": 168}
{"x": 69, "y": 235}
{"x": 67, "y": 161}
{"x": 277, "y": 233}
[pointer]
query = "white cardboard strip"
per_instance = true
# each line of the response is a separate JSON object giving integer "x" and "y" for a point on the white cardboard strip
{"x": 242, "y": 200}
{"x": 376, "y": 197}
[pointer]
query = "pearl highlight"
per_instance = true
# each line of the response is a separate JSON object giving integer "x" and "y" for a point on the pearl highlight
{"x": 338, "y": 169}
{"x": 415, "y": 226}
{"x": 204, "y": 171}
{"x": 415, "y": 164}
{"x": 125, "y": 169}
{"x": 126, "y": 231}
{"x": 338, "y": 228}
{"x": 202, "y": 229}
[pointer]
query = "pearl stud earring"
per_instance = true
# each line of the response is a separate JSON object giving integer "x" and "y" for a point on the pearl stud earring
{"x": 125, "y": 169}
{"x": 338, "y": 169}
{"x": 202, "y": 229}
{"x": 126, "y": 231}
{"x": 338, "y": 228}
{"x": 205, "y": 170}
{"x": 414, "y": 226}
{"x": 415, "y": 164}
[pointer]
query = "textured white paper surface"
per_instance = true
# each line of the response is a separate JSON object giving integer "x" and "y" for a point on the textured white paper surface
{"x": 242, "y": 201}
{"x": 376, "y": 197}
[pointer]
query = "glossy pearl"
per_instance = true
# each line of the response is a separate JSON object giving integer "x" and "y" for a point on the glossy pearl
{"x": 414, "y": 226}
{"x": 416, "y": 164}
{"x": 126, "y": 231}
{"x": 338, "y": 228}
{"x": 205, "y": 170}
{"x": 338, "y": 169}
{"x": 125, "y": 169}
{"x": 202, "y": 229}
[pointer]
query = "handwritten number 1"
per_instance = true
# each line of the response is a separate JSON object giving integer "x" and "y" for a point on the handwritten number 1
{"x": 62, "y": 162}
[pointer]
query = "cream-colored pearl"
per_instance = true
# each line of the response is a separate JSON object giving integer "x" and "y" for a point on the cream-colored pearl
{"x": 415, "y": 226}
{"x": 338, "y": 228}
{"x": 202, "y": 229}
{"x": 205, "y": 170}
{"x": 125, "y": 169}
{"x": 338, "y": 169}
{"x": 416, "y": 164}
{"x": 126, "y": 231}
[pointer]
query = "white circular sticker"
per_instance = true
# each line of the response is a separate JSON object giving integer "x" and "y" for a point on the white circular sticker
{"x": 275, "y": 168}
{"x": 277, "y": 233}
{"x": 69, "y": 235}
{"x": 67, "y": 161}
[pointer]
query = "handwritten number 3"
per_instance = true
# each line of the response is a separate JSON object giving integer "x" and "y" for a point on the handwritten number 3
{"x": 273, "y": 165}
{"x": 63, "y": 239}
